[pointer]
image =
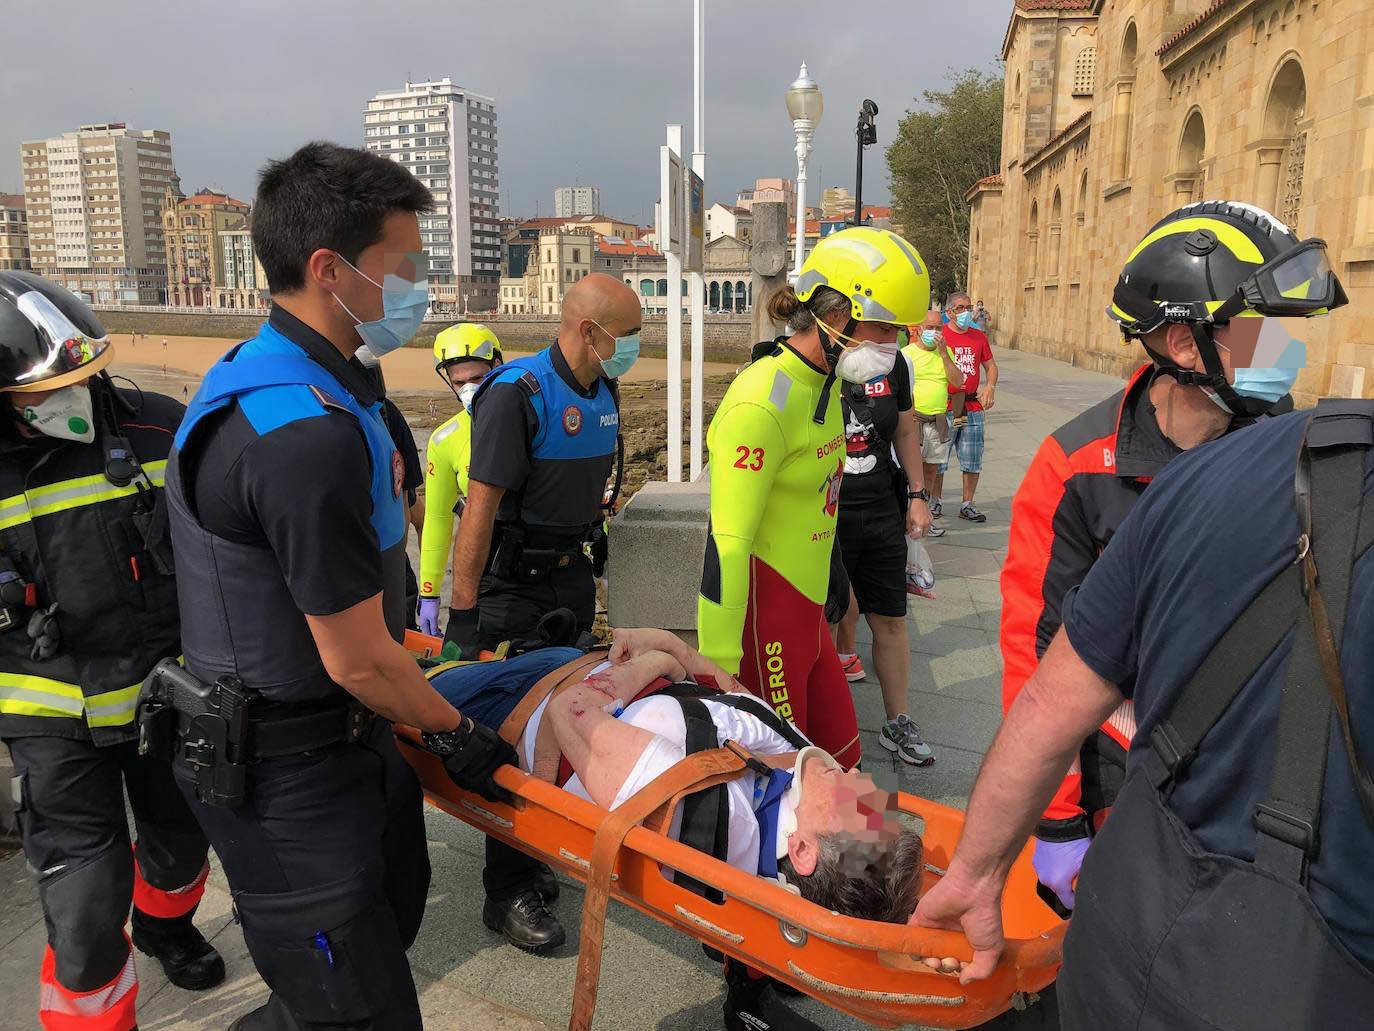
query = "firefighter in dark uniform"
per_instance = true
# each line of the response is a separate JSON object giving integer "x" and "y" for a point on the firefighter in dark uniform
{"x": 87, "y": 606}
{"x": 285, "y": 493}
{"x": 545, "y": 433}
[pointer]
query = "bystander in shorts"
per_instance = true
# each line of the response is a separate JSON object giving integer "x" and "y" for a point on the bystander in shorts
{"x": 933, "y": 449}
{"x": 966, "y": 441}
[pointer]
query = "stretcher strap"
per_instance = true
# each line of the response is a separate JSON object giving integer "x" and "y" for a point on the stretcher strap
{"x": 562, "y": 678}
{"x": 686, "y": 775}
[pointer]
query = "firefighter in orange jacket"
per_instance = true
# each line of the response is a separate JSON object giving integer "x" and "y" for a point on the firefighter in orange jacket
{"x": 1088, "y": 474}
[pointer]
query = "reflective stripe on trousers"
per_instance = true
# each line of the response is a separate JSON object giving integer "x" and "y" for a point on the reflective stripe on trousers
{"x": 109, "y": 1008}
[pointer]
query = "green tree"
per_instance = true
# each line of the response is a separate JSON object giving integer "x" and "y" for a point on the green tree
{"x": 948, "y": 144}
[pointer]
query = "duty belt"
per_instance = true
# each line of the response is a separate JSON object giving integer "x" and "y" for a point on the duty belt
{"x": 218, "y": 729}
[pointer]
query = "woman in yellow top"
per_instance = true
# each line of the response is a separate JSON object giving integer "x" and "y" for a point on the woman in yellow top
{"x": 463, "y": 355}
{"x": 777, "y": 449}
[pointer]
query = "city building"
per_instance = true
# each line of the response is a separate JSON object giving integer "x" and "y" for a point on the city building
{"x": 94, "y": 198}
{"x": 603, "y": 225}
{"x": 836, "y": 202}
{"x": 565, "y": 256}
{"x": 446, "y": 137}
{"x": 240, "y": 281}
{"x": 191, "y": 228}
{"x": 722, "y": 220}
{"x": 576, "y": 200}
{"x": 726, "y": 278}
{"x": 14, "y": 233}
{"x": 520, "y": 244}
{"x": 519, "y": 295}
{"x": 1117, "y": 113}
{"x": 775, "y": 190}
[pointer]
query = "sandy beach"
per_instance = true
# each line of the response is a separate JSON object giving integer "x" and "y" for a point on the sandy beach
{"x": 409, "y": 369}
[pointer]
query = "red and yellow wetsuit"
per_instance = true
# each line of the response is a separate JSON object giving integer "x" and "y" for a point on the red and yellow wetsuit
{"x": 775, "y": 488}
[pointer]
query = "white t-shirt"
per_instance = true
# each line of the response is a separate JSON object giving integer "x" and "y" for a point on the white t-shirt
{"x": 663, "y": 718}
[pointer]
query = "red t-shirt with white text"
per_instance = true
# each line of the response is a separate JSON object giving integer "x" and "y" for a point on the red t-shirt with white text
{"x": 970, "y": 350}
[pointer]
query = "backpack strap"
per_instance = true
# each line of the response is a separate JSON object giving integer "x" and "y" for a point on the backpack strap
{"x": 1330, "y": 469}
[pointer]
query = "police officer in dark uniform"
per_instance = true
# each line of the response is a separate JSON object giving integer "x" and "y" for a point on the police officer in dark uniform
{"x": 544, "y": 441}
{"x": 87, "y": 607}
{"x": 285, "y": 490}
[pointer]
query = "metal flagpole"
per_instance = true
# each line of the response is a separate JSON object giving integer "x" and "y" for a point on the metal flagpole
{"x": 696, "y": 280}
{"x": 672, "y": 219}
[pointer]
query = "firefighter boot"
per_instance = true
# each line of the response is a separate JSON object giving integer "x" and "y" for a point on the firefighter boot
{"x": 188, "y": 960}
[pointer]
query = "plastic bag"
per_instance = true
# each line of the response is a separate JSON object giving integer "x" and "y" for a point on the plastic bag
{"x": 920, "y": 571}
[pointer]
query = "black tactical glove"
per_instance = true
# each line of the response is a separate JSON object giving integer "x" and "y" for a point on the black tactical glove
{"x": 471, "y": 754}
{"x": 461, "y": 629}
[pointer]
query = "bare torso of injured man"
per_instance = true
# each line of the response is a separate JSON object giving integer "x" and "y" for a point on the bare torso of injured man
{"x": 827, "y": 834}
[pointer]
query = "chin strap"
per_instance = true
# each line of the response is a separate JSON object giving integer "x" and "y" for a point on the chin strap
{"x": 832, "y": 353}
{"x": 1214, "y": 378}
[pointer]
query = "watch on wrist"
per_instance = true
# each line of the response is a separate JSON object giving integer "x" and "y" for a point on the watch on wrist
{"x": 918, "y": 495}
{"x": 445, "y": 743}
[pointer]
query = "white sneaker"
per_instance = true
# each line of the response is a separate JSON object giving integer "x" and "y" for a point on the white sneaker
{"x": 903, "y": 737}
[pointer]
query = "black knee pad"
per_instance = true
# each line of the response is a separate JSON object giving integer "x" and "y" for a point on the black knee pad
{"x": 85, "y": 908}
{"x": 332, "y": 953}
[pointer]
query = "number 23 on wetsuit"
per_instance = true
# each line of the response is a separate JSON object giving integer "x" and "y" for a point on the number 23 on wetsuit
{"x": 777, "y": 456}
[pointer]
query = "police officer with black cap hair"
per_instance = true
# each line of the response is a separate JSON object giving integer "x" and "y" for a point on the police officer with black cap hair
{"x": 285, "y": 491}
{"x": 88, "y": 605}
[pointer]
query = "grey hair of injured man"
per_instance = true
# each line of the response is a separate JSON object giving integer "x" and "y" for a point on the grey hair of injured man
{"x": 871, "y": 880}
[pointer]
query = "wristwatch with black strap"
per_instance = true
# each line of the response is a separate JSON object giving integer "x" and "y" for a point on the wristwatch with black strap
{"x": 918, "y": 495}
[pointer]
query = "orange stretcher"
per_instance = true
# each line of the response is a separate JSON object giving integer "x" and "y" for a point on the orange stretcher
{"x": 870, "y": 970}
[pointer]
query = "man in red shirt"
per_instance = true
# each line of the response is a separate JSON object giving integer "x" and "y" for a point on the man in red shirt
{"x": 972, "y": 353}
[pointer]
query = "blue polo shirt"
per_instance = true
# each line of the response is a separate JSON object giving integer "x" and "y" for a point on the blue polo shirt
{"x": 1207, "y": 535}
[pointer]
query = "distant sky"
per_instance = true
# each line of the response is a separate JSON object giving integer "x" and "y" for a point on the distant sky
{"x": 583, "y": 87}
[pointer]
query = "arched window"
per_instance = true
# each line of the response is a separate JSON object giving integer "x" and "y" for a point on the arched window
{"x": 1191, "y": 147}
{"x": 646, "y": 287}
{"x": 1032, "y": 241}
{"x": 713, "y": 298}
{"x": 1121, "y": 106}
{"x": 727, "y": 295}
{"x": 1056, "y": 227}
{"x": 1084, "y": 72}
{"x": 739, "y": 295}
{"x": 663, "y": 288}
{"x": 1283, "y": 156}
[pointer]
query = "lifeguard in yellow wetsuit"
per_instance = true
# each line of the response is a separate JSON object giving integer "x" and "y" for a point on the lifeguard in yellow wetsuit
{"x": 777, "y": 450}
{"x": 463, "y": 355}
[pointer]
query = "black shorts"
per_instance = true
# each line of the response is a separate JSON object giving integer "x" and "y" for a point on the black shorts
{"x": 873, "y": 542}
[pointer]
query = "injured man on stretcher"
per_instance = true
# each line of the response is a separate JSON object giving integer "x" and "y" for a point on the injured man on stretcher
{"x": 830, "y": 835}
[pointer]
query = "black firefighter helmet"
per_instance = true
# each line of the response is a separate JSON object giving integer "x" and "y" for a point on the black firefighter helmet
{"x": 1205, "y": 264}
{"x": 49, "y": 337}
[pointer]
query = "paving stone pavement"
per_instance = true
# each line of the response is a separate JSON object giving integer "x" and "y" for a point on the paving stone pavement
{"x": 652, "y": 977}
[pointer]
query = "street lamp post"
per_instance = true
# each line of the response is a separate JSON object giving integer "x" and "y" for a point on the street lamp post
{"x": 865, "y": 132}
{"x": 804, "y": 107}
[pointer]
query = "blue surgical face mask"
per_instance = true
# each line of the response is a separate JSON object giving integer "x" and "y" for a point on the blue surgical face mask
{"x": 928, "y": 337}
{"x": 1269, "y": 384}
{"x": 403, "y": 309}
{"x": 964, "y": 319}
{"x": 626, "y": 352}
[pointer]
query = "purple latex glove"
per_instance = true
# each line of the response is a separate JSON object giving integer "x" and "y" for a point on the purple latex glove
{"x": 1057, "y": 864}
{"x": 429, "y": 616}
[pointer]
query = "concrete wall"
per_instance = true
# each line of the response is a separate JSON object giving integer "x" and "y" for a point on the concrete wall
{"x": 727, "y": 338}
